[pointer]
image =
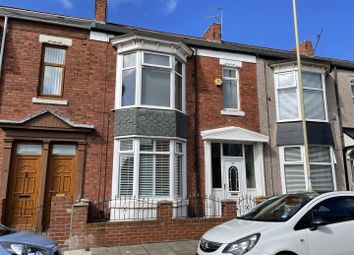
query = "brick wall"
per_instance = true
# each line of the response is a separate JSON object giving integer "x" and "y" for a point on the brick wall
{"x": 210, "y": 104}
{"x": 75, "y": 233}
{"x": 88, "y": 88}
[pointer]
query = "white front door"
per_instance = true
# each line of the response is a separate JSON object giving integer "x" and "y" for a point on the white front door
{"x": 234, "y": 178}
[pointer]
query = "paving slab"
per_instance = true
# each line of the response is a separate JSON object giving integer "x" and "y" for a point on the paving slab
{"x": 187, "y": 247}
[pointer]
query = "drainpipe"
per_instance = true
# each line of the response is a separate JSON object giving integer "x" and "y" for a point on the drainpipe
{"x": 3, "y": 43}
{"x": 196, "y": 126}
{"x": 340, "y": 123}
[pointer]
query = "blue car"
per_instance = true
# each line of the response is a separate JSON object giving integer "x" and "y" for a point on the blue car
{"x": 14, "y": 242}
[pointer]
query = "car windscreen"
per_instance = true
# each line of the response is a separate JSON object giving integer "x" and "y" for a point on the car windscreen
{"x": 278, "y": 209}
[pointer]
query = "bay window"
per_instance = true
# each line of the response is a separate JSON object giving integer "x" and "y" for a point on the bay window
{"x": 294, "y": 169}
{"x": 150, "y": 167}
{"x": 288, "y": 98}
{"x": 151, "y": 80}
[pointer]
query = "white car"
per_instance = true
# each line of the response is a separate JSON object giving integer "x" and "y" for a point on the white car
{"x": 292, "y": 224}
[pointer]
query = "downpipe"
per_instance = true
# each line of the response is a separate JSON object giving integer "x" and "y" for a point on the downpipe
{"x": 3, "y": 43}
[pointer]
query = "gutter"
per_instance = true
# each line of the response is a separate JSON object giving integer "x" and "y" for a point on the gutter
{"x": 3, "y": 43}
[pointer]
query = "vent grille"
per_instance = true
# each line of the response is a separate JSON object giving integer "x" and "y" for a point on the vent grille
{"x": 208, "y": 246}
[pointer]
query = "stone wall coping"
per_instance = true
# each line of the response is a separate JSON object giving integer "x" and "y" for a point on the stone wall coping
{"x": 164, "y": 202}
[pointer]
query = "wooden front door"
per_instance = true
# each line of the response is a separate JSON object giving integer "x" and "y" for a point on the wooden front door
{"x": 61, "y": 179}
{"x": 23, "y": 206}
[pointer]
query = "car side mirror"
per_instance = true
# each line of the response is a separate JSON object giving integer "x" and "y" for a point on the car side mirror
{"x": 317, "y": 222}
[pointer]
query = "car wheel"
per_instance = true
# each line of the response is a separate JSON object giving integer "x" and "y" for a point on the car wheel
{"x": 286, "y": 253}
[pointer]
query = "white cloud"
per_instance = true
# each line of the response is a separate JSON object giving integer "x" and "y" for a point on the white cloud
{"x": 67, "y": 4}
{"x": 169, "y": 6}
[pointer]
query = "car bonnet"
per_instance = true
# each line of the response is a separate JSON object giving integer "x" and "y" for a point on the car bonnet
{"x": 28, "y": 238}
{"x": 237, "y": 229}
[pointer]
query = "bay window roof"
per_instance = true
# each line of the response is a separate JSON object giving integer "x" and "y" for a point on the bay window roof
{"x": 133, "y": 41}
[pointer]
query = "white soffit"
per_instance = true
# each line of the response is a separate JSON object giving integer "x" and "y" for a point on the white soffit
{"x": 101, "y": 37}
{"x": 226, "y": 55}
{"x": 234, "y": 134}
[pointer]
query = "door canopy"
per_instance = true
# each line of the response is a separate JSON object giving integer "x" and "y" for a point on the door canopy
{"x": 234, "y": 134}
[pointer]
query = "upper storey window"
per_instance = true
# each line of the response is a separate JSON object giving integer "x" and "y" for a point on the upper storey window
{"x": 151, "y": 73}
{"x": 288, "y": 96}
{"x": 152, "y": 79}
{"x": 53, "y": 70}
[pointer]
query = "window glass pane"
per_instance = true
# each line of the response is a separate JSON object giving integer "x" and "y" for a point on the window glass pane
{"x": 232, "y": 150}
{"x": 146, "y": 181}
{"x": 229, "y": 73}
{"x": 162, "y": 145}
{"x": 146, "y": 145}
{"x": 288, "y": 108}
{"x": 352, "y": 90}
{"x": 286, "y": 80}
{"x": 126, "y": 175}
{"x": 126, "y": 145}
{"x": 321, "y": 178}
{"x": 250, "y": 172}
{"x": 178, "y": 67}
{"x": 312, "y": 80}
{"x": 129, "y": 60}
{"x": 178, "y": 92}
{"x": 29, "y": 149}
{"x": 162, "y": 175}
{"x": 155, "y": 59}
{"x": 335, "y": 210}
{"x": 54, "y": 55}
{"x": 155, "y": 87}
{"x": 319, "y": 154}
{"x": 64, "y": 149}
{"x": 128, "y": 87}
{"x": 292, "y": 154}
{"x": 230, "y": 94}
{"x": 52, "y": 80}
{"x": 216, "y": 165}
{"x": 178, "y": 175}
{"x": 234, "y": 182}
{"x": 294, "y": 178}
{"x": 314, "y": 105}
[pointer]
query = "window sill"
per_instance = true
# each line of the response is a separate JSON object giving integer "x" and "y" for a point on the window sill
{"x": 37, "y": 100}
{"x": 233, "y": 112}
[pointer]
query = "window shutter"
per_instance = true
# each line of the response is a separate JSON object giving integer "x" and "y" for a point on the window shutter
{"x": 126, "y": 175}
{"x": 162, "y": 179}
{"x": 294, "y": 178}
{"x": 178, "y": 175}
{"x": 146, "y": 175}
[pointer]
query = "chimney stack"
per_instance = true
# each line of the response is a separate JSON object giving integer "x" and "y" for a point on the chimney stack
{"x": 101, "y": 10}
{"x": 213, "y": 33}
{"x": 305, "y": 48}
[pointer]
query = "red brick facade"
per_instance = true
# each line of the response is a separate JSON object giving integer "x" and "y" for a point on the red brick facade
{"x": 89, "y": 89}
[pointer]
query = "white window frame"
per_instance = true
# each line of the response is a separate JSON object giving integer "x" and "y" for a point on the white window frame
{"x": 140, "y": 64}
{"x": 237, "y": 109}
{"x": 294, "y": 70}
{"x": 136, "y": 152}
{"x": 303, "y": 161}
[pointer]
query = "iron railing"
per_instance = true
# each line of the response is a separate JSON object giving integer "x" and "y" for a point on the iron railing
{"x": 244, "y": 204}
{"x": 197, "y": 207}
{"x": 124, "y": 208}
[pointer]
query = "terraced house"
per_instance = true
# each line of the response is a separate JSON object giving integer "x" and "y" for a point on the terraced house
{"x": 110, "y": 132}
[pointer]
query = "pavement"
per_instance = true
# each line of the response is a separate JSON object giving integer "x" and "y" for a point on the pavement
{"x": 188, "y": 247}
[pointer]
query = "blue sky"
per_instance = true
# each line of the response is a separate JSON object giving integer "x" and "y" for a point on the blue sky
{"x": 266, "y": 23}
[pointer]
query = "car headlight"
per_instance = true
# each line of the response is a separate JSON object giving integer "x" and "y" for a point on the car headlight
{"x": 23, "y": 249}
{"x": 243, "y": 245}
